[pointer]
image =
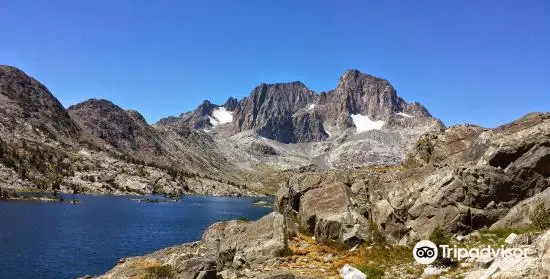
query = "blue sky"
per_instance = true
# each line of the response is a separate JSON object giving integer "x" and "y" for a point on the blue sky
{"x": 482, "y": 62}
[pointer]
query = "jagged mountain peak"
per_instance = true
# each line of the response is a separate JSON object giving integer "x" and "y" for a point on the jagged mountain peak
{"x": 206, "y": 108}
{"x": 291, "y": 112}
{"x": 362, "y": 93}
{"x": 231, "y": 104}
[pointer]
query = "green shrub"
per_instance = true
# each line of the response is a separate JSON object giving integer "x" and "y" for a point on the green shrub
{"x": 440, "y": 237}
{"x": 540, "y": 217}
{"x": 159, "y": 272}
{"x": 372, "y": 272}
{"x": 376, "y": 237}
{"x": 244, "y": 219}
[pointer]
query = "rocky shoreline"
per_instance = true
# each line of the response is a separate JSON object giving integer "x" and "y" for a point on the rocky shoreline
{"x": 479, "y": 185}
{"x": 10, "y": 194}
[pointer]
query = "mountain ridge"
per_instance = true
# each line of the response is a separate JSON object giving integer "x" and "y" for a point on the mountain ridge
{"x": 279, "y": 126}
{"x": 96, "y": 146}
{"x": 265, "y": 110}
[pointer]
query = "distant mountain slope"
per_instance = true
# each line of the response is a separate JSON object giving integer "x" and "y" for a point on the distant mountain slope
{"x": 123, "y": 130}
{"x": 97, "y": 146}
{"x": 27, "y": 108}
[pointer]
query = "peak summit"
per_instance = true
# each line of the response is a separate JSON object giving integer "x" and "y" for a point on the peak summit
{"x": 290, "y": 112}
{"x": 28, "y": 100}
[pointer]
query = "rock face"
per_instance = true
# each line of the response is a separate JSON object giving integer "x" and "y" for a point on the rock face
{"x": 326, "y": 214}
{"x": 325, "y": 206}
{"x": 463, "y": 178}
{"x": 269, "y": 110}
{"x": 27, "y": 108}
{"x": 291, "y": 112}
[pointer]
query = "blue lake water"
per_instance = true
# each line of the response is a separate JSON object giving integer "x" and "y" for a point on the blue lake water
{"x": 61, "y": 240}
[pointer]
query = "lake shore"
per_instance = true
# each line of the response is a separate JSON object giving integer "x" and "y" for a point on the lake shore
{"x": 96, "y": 233}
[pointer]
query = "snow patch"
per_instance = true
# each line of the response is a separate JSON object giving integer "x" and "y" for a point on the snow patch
{"x": 404, "y": 114}
{"x": 363, "y": 123}
{"x": 220, "y": 116}
{"x": 311, "y": 106}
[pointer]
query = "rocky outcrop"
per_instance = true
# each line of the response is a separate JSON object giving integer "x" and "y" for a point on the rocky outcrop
{"x": 249, "y": 244}
{"x": 518, "y": 216}
{"x": 325, "y": 206}
{"x": 361, "y": 93}
{"x": 231, "y": 104}
{"x": 463, "y": 178}
{"x": 469, "y": 179}
{"x": 308, "y": 127}
{"x": 326, "y": 213}
{"x": 231, "y": 248}
{"x": 438, "y": 147}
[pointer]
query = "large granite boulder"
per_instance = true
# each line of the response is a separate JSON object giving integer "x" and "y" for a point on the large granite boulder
{"x": 236, "y": 244}
{"x": 326, "y": 213}
{"x": 196, "y": 268}
{"x": 324, "y": 206}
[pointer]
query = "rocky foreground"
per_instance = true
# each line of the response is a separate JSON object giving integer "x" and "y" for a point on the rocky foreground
{"x": 307, "y": 258}
{"x": 480, "y": 185}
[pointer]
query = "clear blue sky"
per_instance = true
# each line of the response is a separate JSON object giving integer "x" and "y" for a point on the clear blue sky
{"x": 483, "y": 62}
